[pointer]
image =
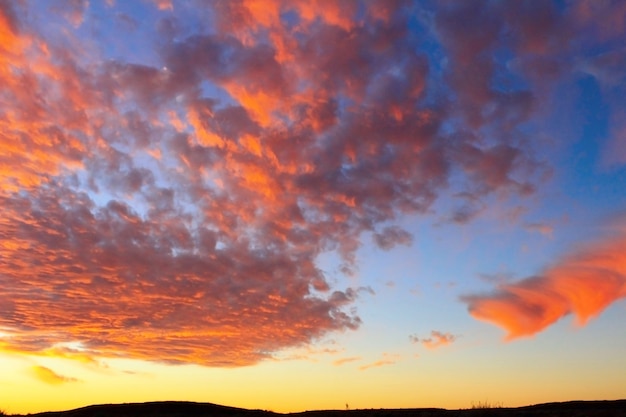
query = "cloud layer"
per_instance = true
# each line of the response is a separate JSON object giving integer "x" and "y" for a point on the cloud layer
{"x": 170, "y": 204}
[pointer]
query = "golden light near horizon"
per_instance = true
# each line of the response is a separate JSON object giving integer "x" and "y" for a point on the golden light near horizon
{"x": 293, "y": 205}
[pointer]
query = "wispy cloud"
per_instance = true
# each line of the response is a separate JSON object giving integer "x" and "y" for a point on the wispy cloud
{"x": 387, "y": 359}
{"x": 48, "y": 376}
{"x": 436, "y": 339}
{"x": 343, "y": 361}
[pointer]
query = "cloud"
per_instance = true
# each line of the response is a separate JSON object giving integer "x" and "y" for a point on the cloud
{"x": 164, "y": 4}
{"x": 436, "y": 340}
{"x": 171, "y": 205}
{"x": 387, "y": 359}
{"x": 586, "y": 14}
{"x": 343, "y": 361}
{"x": 377, "y": 364}
{"x": 48, "y": 376}
{"x": 392, "y": 236}
{"x": 72, "y": 10}
{"x": 584, "y": 283}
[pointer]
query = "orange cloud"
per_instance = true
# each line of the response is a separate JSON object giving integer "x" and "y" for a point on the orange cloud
{"x": 174, "y": 209}
{"x": 387, "y": 359}
{"x": 48, "y": 376}
{"x": 436, "y": 340}
{"x": 584, "y": 283}
{"x": 336, "y": 14}
{"x": 343, "y": 361}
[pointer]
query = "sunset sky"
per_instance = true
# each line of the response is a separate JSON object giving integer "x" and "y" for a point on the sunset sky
{"x": 292, "y": 205}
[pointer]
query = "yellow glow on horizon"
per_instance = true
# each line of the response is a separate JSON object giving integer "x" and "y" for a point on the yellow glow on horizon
{"x": 293, "y": 385}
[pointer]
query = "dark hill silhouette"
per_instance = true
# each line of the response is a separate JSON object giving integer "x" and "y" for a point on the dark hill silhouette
{"x": 615, "y": 408}
{"x": 157, "y": 409}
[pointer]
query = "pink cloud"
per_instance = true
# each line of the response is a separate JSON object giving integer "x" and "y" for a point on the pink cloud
{"x": 72, "y": 10}
{"x": 588, "y": 14}
{"x": 164, "y": 4}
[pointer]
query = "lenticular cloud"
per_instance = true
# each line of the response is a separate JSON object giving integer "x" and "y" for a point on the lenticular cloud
{"x": 584, "y": 283}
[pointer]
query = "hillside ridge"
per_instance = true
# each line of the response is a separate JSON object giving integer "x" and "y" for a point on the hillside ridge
{"x": 600, "y": 408}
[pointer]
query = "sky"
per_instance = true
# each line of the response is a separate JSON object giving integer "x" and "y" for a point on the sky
{"x": 296, "y": 205}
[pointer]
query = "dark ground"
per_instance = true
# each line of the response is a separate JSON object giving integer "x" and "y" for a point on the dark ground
{"x": 189, "y": 409}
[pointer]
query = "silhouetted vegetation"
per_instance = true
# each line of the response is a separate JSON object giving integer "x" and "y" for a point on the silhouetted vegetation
{"x": 482, "y": 405}
{"x": 482, "y": 409}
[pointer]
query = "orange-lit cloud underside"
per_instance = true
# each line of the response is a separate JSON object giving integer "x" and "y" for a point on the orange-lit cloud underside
{"x": 142, "y": 217}
{"x": 184, "y": 230}
{"x": 583, "y": 283}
